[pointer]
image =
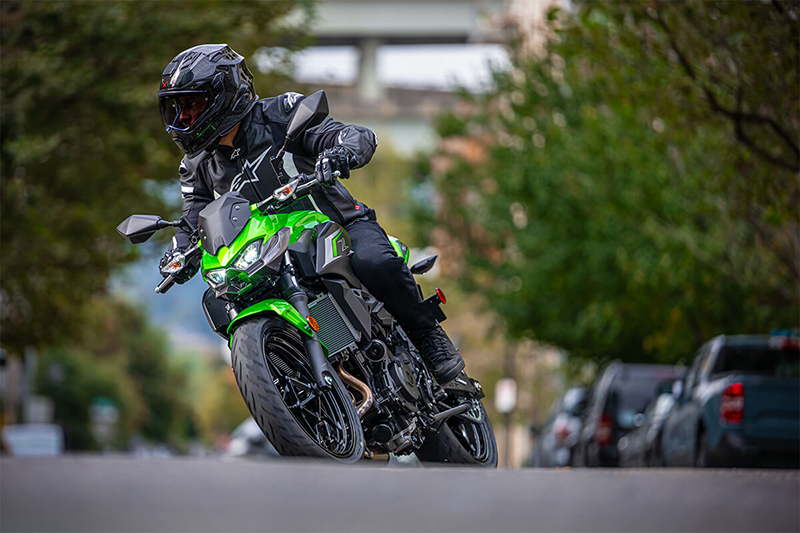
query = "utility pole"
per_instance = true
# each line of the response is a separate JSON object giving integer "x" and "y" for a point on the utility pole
{"x": 506, "y": 399}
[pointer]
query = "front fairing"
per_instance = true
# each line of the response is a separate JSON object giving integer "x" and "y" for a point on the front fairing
{"x": 262, "y": 227}
{"x": 271, "y": 235}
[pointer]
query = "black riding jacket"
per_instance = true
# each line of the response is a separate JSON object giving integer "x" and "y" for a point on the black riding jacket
{"x": 246, "y": 167}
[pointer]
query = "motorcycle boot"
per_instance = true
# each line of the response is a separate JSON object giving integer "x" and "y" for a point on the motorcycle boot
{"x": 436, "y": 348}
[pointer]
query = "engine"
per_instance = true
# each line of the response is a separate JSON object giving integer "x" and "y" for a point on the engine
{"x": 396, "y": 379}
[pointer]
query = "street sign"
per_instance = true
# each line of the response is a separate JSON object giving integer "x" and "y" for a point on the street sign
{"x": 505, "y": 395}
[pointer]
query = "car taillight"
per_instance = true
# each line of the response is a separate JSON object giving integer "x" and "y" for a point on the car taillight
{"x": 790, "y": 343}
{"x": 602, "y": 436}
{"x": 731, "y": 407}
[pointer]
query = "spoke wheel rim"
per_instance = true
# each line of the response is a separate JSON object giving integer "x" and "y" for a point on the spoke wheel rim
{"x": 323, "y": 415}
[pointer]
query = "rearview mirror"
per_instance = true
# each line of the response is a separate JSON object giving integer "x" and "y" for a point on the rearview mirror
{"x": 137, "y": 229}
{"x": 423, "y": 266}
{"x": 309, "y": 112}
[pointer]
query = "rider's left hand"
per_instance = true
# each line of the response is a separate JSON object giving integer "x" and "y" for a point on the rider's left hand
{"x": 334, "y": 163}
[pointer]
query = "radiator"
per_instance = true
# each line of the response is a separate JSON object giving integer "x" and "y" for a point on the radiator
{"x": 335, "y": 331}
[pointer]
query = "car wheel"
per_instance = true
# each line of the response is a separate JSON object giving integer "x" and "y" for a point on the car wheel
{"x": 701, "y": 452}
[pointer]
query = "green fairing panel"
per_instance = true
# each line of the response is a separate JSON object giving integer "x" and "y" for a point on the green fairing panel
{"x": 400, "y": 249}
{"x": 282, "y": 308}
{"x": 263, "y": 227}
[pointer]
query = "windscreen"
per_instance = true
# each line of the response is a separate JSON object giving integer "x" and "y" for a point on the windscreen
{"x": 758, "y": 361}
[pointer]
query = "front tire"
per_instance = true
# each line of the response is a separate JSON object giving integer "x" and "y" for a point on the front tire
{"x": 463, "y": 439}
{"x": 275, "y": 378}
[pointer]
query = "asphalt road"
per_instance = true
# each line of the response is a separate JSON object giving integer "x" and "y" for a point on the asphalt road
{"x": 197, "y": 495}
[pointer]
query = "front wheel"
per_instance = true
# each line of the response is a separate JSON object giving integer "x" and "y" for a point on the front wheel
{"x": 277, "y": 383}
{"x": 466, "y": 439}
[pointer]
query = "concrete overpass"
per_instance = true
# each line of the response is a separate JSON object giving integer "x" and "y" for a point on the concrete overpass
{"x": 348, "y": 22}
{"x": 369, "y": 24}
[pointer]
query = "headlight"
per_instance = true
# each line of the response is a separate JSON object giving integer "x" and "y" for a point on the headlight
{"x": 216, "y": 277}
{"x": 248, "y": 256}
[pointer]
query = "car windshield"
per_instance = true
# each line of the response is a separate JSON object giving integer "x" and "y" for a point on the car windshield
{"x": 758, "y": 361}
{"x": 575, "y": 401}
{"x": 632, "y": 392}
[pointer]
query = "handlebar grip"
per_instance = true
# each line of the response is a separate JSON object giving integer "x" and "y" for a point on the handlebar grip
{"x": 166, "y": 284}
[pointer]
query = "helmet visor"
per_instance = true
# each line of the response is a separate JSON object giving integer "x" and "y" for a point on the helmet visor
{"x": 182, "y": 110}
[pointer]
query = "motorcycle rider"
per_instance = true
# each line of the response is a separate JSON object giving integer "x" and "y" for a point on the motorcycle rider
{"x": 209, "y": 105}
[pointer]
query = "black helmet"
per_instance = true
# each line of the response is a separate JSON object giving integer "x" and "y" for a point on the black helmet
{"x": 205, "y": 91}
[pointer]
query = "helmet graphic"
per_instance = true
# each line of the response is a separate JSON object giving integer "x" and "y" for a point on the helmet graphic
{"x": 205, "y": 91}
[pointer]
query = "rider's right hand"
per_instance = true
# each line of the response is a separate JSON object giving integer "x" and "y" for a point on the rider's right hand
{"x": 175, "y": 263}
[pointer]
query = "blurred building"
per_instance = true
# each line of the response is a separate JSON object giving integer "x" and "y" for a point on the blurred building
{"x": 394, "y": 65}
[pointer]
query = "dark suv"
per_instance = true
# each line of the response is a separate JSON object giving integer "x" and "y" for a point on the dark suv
{"x": 615, "y": 406}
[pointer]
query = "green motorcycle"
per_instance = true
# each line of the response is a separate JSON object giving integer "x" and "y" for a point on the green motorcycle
{"x": 324, "y": 368}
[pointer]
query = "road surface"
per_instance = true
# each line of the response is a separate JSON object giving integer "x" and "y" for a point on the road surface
{"x": 116, "y": 494}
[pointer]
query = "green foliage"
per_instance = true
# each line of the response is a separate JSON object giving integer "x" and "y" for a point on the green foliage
{"x": 82, "y": 141}
{"x": 624, "y": 208}
{"x": 123, "y": 358}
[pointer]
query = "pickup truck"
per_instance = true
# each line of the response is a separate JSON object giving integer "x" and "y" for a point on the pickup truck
{"x": 739, "y": 404}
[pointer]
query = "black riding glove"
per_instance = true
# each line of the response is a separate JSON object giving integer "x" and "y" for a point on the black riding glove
{"x": 174, "y": 262}
{"x": 334, "y": 163}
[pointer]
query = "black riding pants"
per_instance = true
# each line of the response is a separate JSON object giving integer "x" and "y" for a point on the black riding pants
{"x": 386, "y": 275}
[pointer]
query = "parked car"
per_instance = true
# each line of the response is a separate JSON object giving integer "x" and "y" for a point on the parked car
{"x": 557, "y": 438}
{"x": 32, "y": 440}
{"x": 740, "y": 405}
{"x": 247, "y": 440}
{"x": 642, "y": 446}
{"x": 615, "y": 406}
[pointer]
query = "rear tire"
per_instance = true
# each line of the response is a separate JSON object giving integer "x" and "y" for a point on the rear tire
{"x": 275, "y": 378}
{"x": 465, "y": 440}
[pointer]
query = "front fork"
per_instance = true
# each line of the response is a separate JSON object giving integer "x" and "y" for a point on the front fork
{"x": 296, "y": 296}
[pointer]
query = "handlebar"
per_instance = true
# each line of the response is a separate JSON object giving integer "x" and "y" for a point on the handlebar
{"x": 166, "y": 284}
{"x": 282, "y": 195}
{"x": 288, "y": 192}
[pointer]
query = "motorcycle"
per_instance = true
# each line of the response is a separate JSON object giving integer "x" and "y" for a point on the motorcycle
{"x": 325, "y": 370}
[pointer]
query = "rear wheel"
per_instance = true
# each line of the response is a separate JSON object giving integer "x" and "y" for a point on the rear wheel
{"x": 463, "y": 439}
{"x": 276, "y": 381}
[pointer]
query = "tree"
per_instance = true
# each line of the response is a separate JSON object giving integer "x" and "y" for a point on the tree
{"x": 82, "y": 142}
{"x": 122, "y": 358}
{"x": 603, "y": 194}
